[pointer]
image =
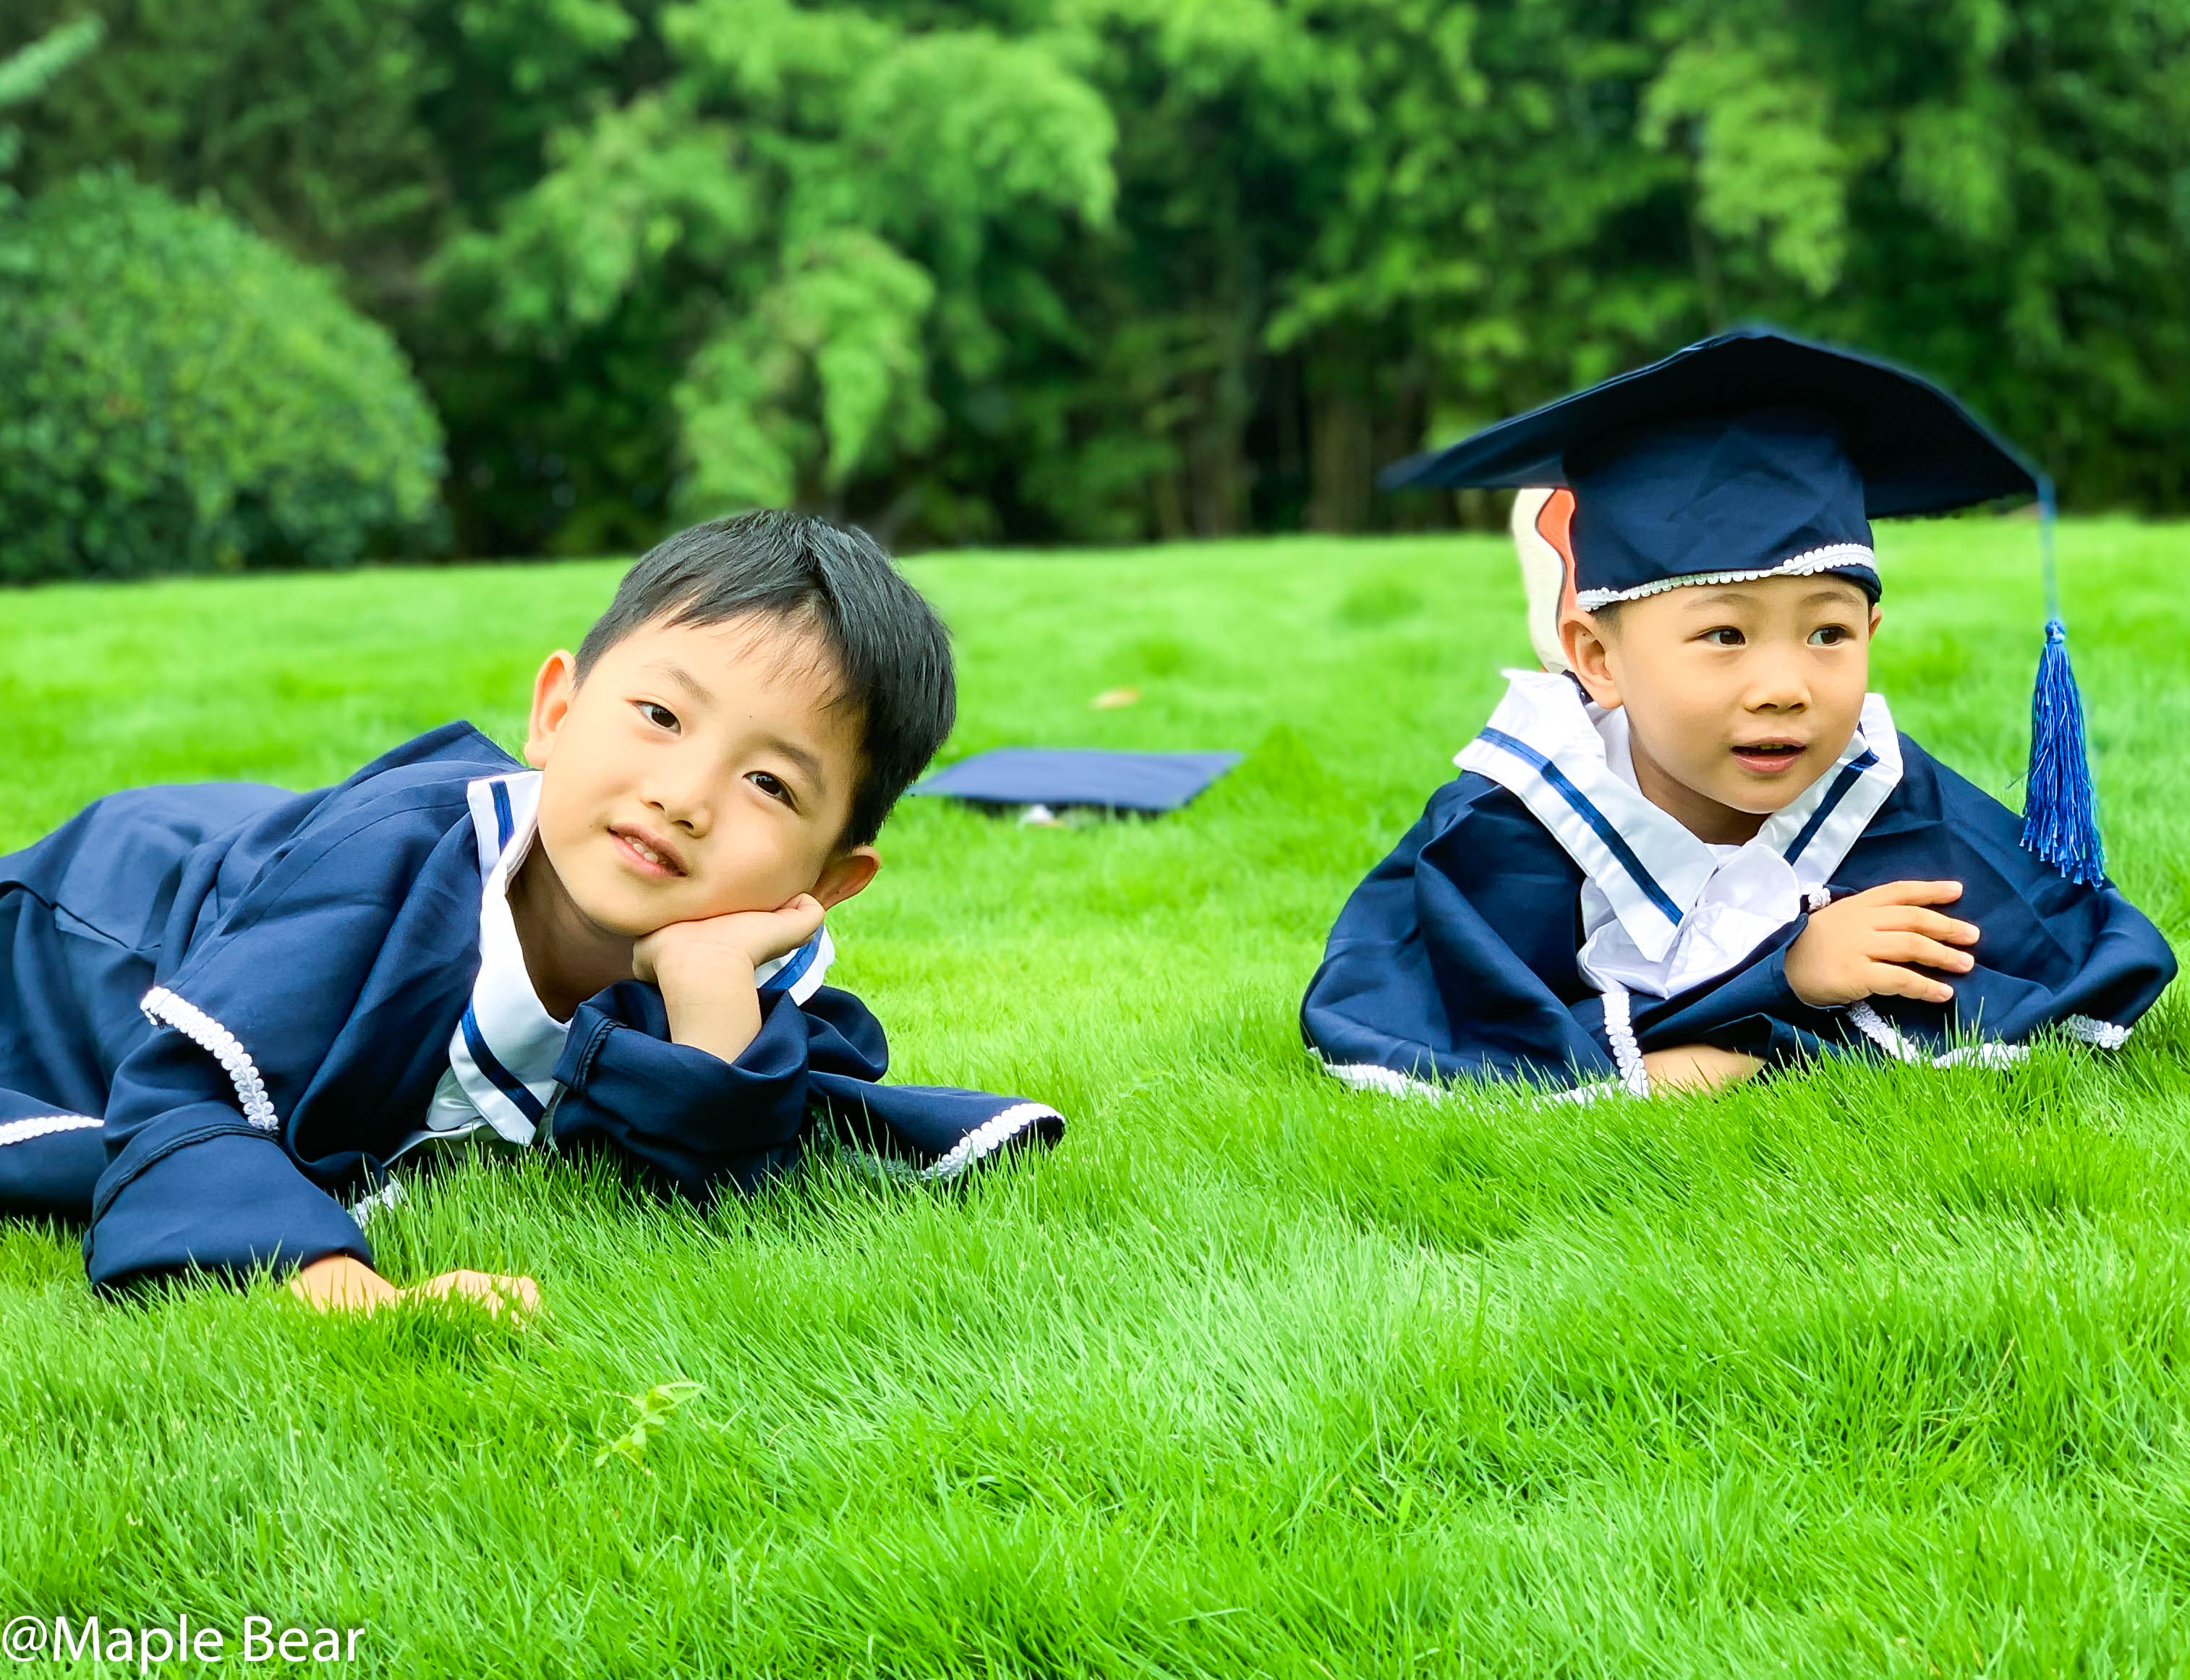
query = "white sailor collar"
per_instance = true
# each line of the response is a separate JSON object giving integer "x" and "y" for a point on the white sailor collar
{"x": 504, "y": 1053}
{"x": 1547, "y": 744}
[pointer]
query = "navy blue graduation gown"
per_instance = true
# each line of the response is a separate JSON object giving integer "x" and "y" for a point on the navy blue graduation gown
{"x": 223, "y": 1006}
{"x": 1456, "y": 957}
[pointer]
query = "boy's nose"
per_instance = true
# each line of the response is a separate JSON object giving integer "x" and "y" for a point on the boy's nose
{"x": 1778, "y": 690}
{"x": 684, "y": 808}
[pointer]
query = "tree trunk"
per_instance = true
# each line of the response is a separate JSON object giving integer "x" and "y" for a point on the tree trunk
{"x": 1342, "y": 458}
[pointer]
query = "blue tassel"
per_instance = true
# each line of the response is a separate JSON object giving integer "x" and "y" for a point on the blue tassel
{"x": 2060, "y": 806}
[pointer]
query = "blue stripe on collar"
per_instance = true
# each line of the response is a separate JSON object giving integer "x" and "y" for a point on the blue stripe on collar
{"x": 505, "y": 821}
{"x": 1605, "y": 828}
{"x": 1851, "y": 773}
{"x": 794, "y": 970}
{"x": 490, "y": 1064}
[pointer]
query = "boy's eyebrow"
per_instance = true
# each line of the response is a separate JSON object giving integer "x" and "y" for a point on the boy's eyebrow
{"x": 1706, "y": 598}
{"x": 808, "y": 761}
{"x": 683, "y": 678}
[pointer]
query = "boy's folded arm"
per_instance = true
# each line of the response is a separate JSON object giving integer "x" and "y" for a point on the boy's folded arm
{"x": 687, "y": 1118}
{"x": 192, "y": 1184}
{"x": 1753, "y": 1010}
{"x": 2112, "y": 971}
{"x": 201, "y": 1114}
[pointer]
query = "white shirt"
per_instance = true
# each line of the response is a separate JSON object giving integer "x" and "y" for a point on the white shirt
{"x": 1662, "y": 910}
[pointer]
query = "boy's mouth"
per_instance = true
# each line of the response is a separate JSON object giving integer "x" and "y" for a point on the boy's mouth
{"x": 646, "y": 853}
{"x": 1767, "y": 758}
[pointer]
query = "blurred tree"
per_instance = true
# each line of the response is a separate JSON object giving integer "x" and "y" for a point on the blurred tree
{"x": 300, "y": 118}
{"x": 815, "y": 247}
{"x": 1343, "y": 227}
{"x": 1222, "y": 156}
{"x": 1098, "y": 270}
{"x": 1998, "y": 193}
{"x": 183, "y": 396}
{"x": 31, "y": 69}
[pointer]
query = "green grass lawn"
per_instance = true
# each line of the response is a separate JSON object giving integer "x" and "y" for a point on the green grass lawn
{"x": 1868, "y": 1370}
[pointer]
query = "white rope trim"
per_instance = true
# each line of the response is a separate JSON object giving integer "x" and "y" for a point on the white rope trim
{"x": 44, "y": 1125}
{"x": 1815, "y": 901}
{"x": 1993, "y": 1055}
{"x": 2104, "y": 1034}
{"x": 1882, "y": 1032}
{"x": 1830, "y": 558}
{"x": 1595, "y": 1092}
{"x": 389, "y": 1194}
{"x": 986, "y": 1139}
{"x": 163, "y": 1007}
{"x": 1369, "y": 1077}
{"x": 1619, "y": 1030}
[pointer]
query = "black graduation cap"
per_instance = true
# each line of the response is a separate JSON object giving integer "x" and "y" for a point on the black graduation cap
{"x": 1053, "y": 776}
{"x": 1757, "y": 453}
{"x": 1741, "y": 453}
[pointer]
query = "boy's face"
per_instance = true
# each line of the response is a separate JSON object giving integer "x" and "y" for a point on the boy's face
{"x": 1739, "y": 696}
{"x": 698, "y": 770}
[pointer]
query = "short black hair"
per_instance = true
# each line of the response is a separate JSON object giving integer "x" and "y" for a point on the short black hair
{"x": 892, "y": 653}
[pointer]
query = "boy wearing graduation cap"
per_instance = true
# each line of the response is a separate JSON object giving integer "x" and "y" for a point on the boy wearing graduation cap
{"x": 1703, "y": 848}
{"x": 226, "y": 1009}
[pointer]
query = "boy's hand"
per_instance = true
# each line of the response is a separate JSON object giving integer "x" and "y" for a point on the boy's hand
{"x": 685, "y": 953}
{"x": 1697, "y": 1067}
{"x": 1864, "y": 946}
{"x": 706, "y": 971}
{"x": 340, "y": 1282}
{"x": 519, "y": 1295}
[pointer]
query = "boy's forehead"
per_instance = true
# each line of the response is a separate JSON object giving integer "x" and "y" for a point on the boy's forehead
{"x": 779, "y": 647}
{"x": 1819, "y": 589}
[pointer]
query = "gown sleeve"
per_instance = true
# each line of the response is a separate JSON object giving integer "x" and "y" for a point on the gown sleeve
{"x": 1455, "y": 959}
{"x": 693, "y": 1124}
{"x": 194, "y": 1182}
{"x": 203, "y": 1169}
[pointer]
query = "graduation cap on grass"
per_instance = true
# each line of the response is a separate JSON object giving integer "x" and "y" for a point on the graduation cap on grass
{"x": 1147, "y": 782}
{"x": 1756, "y": 454}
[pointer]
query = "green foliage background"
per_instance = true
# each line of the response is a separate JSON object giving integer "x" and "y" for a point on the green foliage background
{"x": 1105, "y": 269}
{"x": 184, "y": 397}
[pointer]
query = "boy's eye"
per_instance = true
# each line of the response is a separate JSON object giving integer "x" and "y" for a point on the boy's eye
{"x": 659, "y": 716}
{"x": 773, "y": 787}
{"x": 1724, "y": 636}
{"x": 1829, "y": 635}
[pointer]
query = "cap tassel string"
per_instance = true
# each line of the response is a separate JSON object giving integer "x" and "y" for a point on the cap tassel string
{"x": 2060, "y": 807}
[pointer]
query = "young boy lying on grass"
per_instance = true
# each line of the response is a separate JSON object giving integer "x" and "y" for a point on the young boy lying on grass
{"x": 1708, "y": 850}
{"x": 225, "y": 1008}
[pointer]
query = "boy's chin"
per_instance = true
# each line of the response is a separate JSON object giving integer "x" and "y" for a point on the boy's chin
{"x": 622, "y": 915}
{"x": 629, "y": 921}
{"x": 1755, "y": 801}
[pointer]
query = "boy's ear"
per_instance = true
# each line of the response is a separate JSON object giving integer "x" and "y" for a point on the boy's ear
{"x": 1875, "y": 614}
{"x": 847, "y": 876}
{"x": 1584, "y": 644}
{"x": 552, "y": 690}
